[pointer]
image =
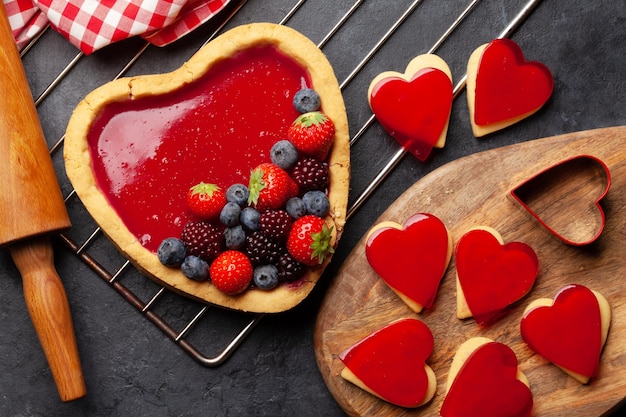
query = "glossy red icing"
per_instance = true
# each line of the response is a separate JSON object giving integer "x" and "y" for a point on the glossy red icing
{"x": 414, "y": 112}
{"x": 486, "y": 386}
{"x": 507, "y": 85}
{"x": 148, "y": 152}
{"x": 391, "y": 361}
{"x": 567, "y": 333}
{"x": 492, "y": 275}
{"x": 412, "y": 260}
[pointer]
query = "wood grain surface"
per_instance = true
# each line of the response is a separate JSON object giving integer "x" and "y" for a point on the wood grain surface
{"x": 470, "y": 192}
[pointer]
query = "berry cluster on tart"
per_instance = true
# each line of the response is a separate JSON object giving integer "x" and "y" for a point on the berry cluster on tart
{"x": 136, "y": 147}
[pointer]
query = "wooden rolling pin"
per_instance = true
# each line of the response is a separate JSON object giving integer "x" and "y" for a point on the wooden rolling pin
{"x": 32, "y": 209}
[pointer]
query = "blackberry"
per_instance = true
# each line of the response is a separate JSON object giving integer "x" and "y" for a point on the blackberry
{"x": 261, "y": 249}
{"x": 202, "y": 239}
{"x": 275, "y": 224}
{"x": 310, "y": 174}
{"x": 289, "y": 269}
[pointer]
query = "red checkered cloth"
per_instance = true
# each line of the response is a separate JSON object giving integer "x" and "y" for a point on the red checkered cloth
{"x": 91, "y": 25}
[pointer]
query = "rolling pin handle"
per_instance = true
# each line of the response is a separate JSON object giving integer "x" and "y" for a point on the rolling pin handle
{"x": 50, "y": 313}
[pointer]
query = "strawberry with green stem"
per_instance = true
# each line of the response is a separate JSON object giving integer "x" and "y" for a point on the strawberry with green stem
{"x": 270, "y": 187}
{"x": 312, "y": 134}
{"x": 310, "y": 240}
{"x": 206, "y": 200}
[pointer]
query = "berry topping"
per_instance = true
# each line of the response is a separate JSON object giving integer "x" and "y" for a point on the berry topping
{"x": 171, "y": 252}
{"x": 231, "y": 272}
{"x": 202, "y": 239}
{"x": 312, "y": 134}
{"x": 270, "y": 187}
{"x": 309, "y": 241}
{"x": 229, "y": 216}
{"x": 235, "y": 237}
{"x": 316, "y": 203}
{"x": 306, "y": 100}
{"x": 238, "y": 193}
{"x": 262, "y": 249}
{"x": 206, "y": 200}
{"x": 249, "y": 219}
{"x": 265, "y": 277}
{"x": 310, "y": 174}
{"x": 284, "y": 154}
{"x": 289, "y": 269}
{"x": 276, "y": 224}
{"x": 295, "y": 207}
{"x": 195, "y": 268}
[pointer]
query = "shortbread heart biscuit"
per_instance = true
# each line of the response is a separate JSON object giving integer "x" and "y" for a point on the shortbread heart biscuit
{"x": 569, "y": 331}
{"x": 414, "y": 106}
{"x": 411, "y": 259}
{"x": 491, "y": 275}
{"x": 484, "y": 380}
{"x": 502, "y": 87}
{"x": 391, "y": 363}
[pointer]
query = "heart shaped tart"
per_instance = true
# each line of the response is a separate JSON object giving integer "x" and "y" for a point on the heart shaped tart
{"x": 491, "y": 275}
{"x": 411, "y": 259}
{"x": 484, "y": 380}
{"x": 570, "y": 331}
{"x": 135, "y": 146}
{"x": 391, "y": 363}
{"x": 502, "y": 87}
{"x": 414, "y": 106}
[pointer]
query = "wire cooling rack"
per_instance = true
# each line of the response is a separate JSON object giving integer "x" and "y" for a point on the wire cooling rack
{"x": 187, "y": 322}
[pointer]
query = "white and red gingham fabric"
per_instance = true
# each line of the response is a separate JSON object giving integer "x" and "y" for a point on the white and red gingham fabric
{"x": 91, "y": 24}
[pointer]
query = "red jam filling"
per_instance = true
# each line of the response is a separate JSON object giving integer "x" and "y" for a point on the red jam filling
{"x": 486, "y": 386}
{"x": 493, "y": 276}
{"x": 147, "y": 152}
{"x": 569, "y": 332}
{"x": 411, "y": 260}
{"x": 391, "y": 361}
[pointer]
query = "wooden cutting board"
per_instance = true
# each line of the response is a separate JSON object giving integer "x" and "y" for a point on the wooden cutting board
{"x": 469, "y": 192}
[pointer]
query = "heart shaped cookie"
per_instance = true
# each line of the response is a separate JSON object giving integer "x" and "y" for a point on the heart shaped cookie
{"x": 502, "y": 87}
{"x": 565, "y": 198}
{"x": 391, "y": 363}
{"x": 491, "y": 275}
{"x": 484, "y": 380}
{"x": 411, "y": 259}
{"x": 135, "y": 146}
{"x": 569, "y": 331}
{"x": 414, "y": 106}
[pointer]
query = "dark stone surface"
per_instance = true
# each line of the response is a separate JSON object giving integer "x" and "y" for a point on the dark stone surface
{"x": 131, "y": 367}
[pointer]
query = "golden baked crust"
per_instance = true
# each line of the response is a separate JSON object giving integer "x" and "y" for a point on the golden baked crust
{"x": 78, "y": 163}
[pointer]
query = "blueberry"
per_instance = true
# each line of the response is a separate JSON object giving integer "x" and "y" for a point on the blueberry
{"x": 306, "y": 100}
{"x": 195, "y": 268}
{"x": 229, "y": 216}
{"x": 265, "y": 277}
{"x": 235, "y": 237}
{"x": 316, "y": 203}
{"x": 171, "y": 251}
{"x": 249, "y": 218}
{"x": 295, "y": 207}
{"x": 284, "y": 154}
{"x": 238, "y": 193}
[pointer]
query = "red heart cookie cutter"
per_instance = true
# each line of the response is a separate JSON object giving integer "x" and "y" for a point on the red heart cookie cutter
{"x": 565, "y": 198}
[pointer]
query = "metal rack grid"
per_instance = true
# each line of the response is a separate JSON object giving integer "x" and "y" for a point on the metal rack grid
{"x": 192, "y": 317}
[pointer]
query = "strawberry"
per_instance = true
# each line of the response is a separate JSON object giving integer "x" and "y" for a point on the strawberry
{"x": 206, "y": 200}
{"x": 309, "y": 240}
{"x": 270, "y": 187}
{"x": 312, "y": 134}
{"x": 231, "y": 272}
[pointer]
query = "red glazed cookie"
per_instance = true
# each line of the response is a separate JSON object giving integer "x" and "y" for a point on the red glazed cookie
{"x": 391, "y": 363}
{"x": 484, "y": 380}
{"x": 491, "y": 275}
{"x": 411, "y": 259}
{"x": 570, "y": 331}
{"x": 414, "y": 106}
{"x": 502, "y": 87}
